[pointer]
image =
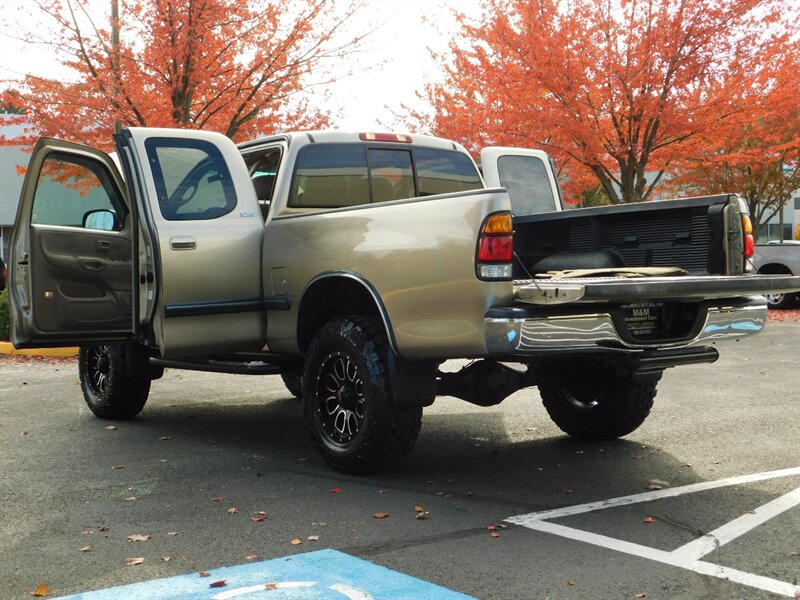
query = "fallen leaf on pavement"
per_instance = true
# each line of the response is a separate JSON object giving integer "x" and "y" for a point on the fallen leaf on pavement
{"x": 86, "y": 548}
{"x": 257, "y": 518}
{"x": 172, "y": 533}
{"x": 218, "y": 584}
{"x": 134, "y": 561}
{"x": 336, "y": 490}
{"x": 204, "y": 574}
{"x": 41, "y": 590}
{"x": 649, "y": 519}
{"x": 296, "y": 542}
{"x": 494, "y": 534}
{"x": 270, "y": 586}
{"x": 165, "y": 437}
{"x": 138, "y": 538}
{"x": 570, "y": 582}
{"x": 641, "y": 595}
{"x": 313, "y": 538}
{"x": 166, "y": 558}
{"x": 491, "y": 527}
{"x": 217, "y": 498}
{"x": 381, "y": 515}
{"x": 251, "y": 556}
{"x": 112, "y": 428}
{"x": 232, "y": 510}
{"x": 118, "y": 467}
{"x": 131, "y": 498}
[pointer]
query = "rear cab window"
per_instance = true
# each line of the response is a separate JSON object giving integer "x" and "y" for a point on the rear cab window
{"x": 353, "y": 174}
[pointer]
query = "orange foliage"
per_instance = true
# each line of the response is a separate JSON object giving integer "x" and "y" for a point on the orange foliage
{"x": 617, "y": 90}
{"x": 233, "y": 66}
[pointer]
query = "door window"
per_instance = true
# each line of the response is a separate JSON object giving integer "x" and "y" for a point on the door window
{"x": 525, "y": 178}
{"x": 191, "y": 178}
{"x": 73, "y": 191}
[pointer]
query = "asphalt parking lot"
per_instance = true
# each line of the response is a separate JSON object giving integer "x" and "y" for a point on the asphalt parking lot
{"x": 218, "y": 472}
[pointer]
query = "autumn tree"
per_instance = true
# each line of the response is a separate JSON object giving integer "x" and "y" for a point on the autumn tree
{"x": 233, "y": 66}
{"x": 756, "y": 150}
{"x": 618, "y": 90}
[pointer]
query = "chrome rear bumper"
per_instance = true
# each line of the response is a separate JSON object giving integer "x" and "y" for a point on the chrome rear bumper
{"x": 521, "y": 330}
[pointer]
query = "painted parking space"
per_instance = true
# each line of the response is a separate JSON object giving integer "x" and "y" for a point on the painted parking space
{"x": 688, "y": 556}
{"x": 321, "y": 575}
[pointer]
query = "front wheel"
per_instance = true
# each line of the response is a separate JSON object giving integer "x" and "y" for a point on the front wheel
{"x": 346, "y": 398}
{"x": 598, "y": 406}
{"x": 115, "y": 379}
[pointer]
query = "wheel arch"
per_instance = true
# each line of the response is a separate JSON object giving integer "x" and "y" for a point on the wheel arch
{"x": 338, "y": 294}
{"x": 774, "y": 268}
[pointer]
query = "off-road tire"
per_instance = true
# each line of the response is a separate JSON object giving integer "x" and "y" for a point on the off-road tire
{"x": 599, "y": 406}
{"x": 115, "y": 379}
{"x": 347, "y": 402}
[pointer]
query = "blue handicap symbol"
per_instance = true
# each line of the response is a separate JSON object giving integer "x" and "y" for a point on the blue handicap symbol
{"x": 322, "y": 575}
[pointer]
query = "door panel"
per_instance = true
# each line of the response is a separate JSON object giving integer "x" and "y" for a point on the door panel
{"x": 207, "y": 232}
{"x": 71, "y": 273}
{"x": 84, "y": 278}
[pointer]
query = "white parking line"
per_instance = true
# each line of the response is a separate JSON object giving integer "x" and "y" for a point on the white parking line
{"x": 687, "y": 556}
{"x": 730, "y": 531}
{"x": 578, "y": 509}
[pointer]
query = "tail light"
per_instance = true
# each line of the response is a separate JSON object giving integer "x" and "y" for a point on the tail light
{"x": 749, "y": 241}
{"x": 495, "y": 247}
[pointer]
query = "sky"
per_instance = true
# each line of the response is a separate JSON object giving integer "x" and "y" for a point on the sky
{"x": 395, "y": 64}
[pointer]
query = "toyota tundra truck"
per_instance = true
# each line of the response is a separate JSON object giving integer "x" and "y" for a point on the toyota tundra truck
{"x": 354, "y": 264}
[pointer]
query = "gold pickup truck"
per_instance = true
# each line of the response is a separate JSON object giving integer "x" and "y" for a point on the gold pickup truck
{"x": 354, "y": 264}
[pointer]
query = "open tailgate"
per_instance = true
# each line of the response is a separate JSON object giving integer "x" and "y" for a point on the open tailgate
{"x": 638, "y": 289}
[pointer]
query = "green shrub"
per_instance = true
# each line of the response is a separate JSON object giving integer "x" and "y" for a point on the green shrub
{"x": 5, "y": 320}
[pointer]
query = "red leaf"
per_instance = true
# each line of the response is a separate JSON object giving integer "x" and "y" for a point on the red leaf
{"x": 336, "y": 490}
{"x": 494, "y": 535}
{"x": 41, "y": 591}
{"x": 491, "y": 527}
{"x": 217, "y": 498}
{"x": 218, "y": 584}
{"x": 649, "y": 519}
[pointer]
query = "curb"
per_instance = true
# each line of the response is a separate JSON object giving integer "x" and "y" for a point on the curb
{"x": 8, "y": 348}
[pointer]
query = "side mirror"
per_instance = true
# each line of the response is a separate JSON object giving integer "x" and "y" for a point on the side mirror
{"x": 105, "y": 220}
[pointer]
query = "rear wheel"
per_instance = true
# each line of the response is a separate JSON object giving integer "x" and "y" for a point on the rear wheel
{"x": 115, "y": 379}
{"x": 598, "y": 406}
{"x": 346, "y": 398}
{"x": 781, "y": 300}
